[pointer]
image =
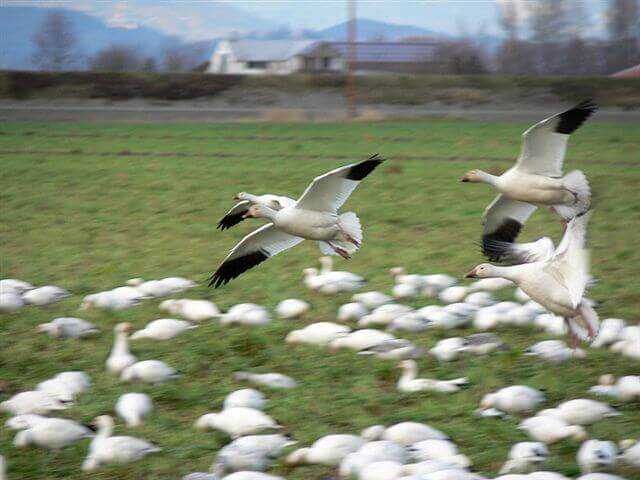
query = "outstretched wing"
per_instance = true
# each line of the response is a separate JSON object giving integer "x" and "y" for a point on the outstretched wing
{"x": 255, "y": 248}
{"x": 328, "y": 192}
{"x": 544, "y": 144}
{"x": 234, "y": 216}
{"x": 503, "y": 219}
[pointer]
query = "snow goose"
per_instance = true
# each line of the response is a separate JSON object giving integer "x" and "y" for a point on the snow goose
{"x": 57, "y": 389}
{"x": 106, "y": 449}
{"x": 515, "y": 399}
{"x": 372, "y": 300}
{"x": 626, "y": 388}
{"x": 599, "y": 476}
{"x": 447, "y": 349}
{"x": 258, "y": 315}
{"x": 117, "y": 299}
{"x": 321, "y": 333}
{"x": 520, "y": 316}
{"x": 236, "y": 313}
{"x": 453, "y": 294}
{"x": 525, "y": 457}
{"x": 245, "y": 397}
{"x": 313, "y": 217}
{"x": 192, "y": 310}
{"x": 246, "y": 200}
{"x": 557, "y": 283}
{"x": 610, "y": 330}
{"x": 462, "y": 309}
{"x": 360, "y": 339}
{"x": 549, "y": 429}
{"x": 68, "y": 327}
{"x": 292, "y": 308}
{"x": 372, "y": 452}
{"x": 120, "y": 356}
{"x": 520, "y": 296}
{"x": 52, "y": 434}
{"x": 536, "y": 179}
{"x": 581, "y": 411}
{"x": 404, "y": 433}
{"x": 409, "y": 383}
{"x": 352, "y": 312}
{"x": 630, "y": 452}
{"x": 554, "y": 351}
{"x": 482, "y": 343}
{"x": 24, "y": 421}
{"x": 395, "y": 349}
{"x": 270, "y": 380}
{"x": 10, "y": 302}
{"x": 404, "y": 290}
{"x": 400, "y": 276}
{"x": 487, "y": 318}
{"x": 33, "y": 401}
{"x": 384, "y": 314}
{"x": 44, "y": 295}
{"x": 550, "y": 323}
{"x": 149, "y": 371}
{"x": 332, "y": 283}
{"x": 252, "y": 453}
{"x": 381, "y": 470}
{"x": 133, "y": 407}
{"x": 443, "y": 451}
{"x": 446, "y": 320}
{"x": 14, "y": 285}
{"x": 163, "y": 329}
{"x": 329, "y": 450}
{"x": 237, "y": 421}
{"x": 596, "y": 456}
{"x": 440, "y": 281}
{"x": 411, "y": 322}
{"x": 480, "y": 299}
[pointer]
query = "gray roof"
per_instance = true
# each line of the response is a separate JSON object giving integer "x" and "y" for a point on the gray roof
{"x": 270, "y": 50}
{"x": 389, "y": 52}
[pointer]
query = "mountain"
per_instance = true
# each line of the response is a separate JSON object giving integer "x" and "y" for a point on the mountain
{"x": 374, "y": 30}
{"x": 19, "y": 24}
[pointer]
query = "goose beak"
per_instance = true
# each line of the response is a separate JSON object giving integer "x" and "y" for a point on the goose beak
{"x": 235, "y": 197}
{"x": 471, "y": 274}
{"x": 464, "y": 179}
{"x": 247, "y": 215}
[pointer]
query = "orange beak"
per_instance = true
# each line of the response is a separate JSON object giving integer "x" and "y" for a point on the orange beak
{"x": 471, "y": 274}
{"x": 247, "y": 215}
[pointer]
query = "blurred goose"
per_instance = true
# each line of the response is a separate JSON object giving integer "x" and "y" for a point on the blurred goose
{"x": 149, "y": 371}
{"x": 33, "y": 401}
{"x": 626, "y": 388}
{"x": 68, "y": 327}
{"x": 404, "y": 290}
{"x": 120, "y": 356}
{"x": 372, "y": 300}
{"x": 292, "y": 308}
{"x": 252, "y": 452}
{"x": 552, "y": 324}
{"x": 443, "y": 451}
{"x": 610, "y": 330}
{"x": 536, "y": 179}
{"x": 488, "y": 318}
{"x": 352, "y": 312}
{"x": 329, "y": 450}
{"x": 400, "y": 276}
{"x": 251, "y": 476}
{"x": 490, "y": 284}
{"x": 331, "y": 283}
{"x": 482, "y": 343}
{"x": 525, "y": 457}
{"x": 370, "y": 453}
{"x": 404, "y": 433}
{"x": 550, "y": 429}
{"x": 446, "y": 320}
{"x": 599, "y": 476}
{"x": 396, "y": 349}
{"x": 313, "y": 217}
{"x": 360, "y": 339}
{"x": 554, "y": 351}
{"x": 106, "y": 449}
{"x": 321, "y": 333}
{"x": 52, "y": 434}
{"x": 237, "y": 421}
{"x": 453, "y": 294}
{"x": 630, "y": 453}
{"x": 515, "y": 399}
{"x": 57, "y": 389}
{"x": 480, "y": 299}
{"x": 245, "y": 397}
{"x": 557, "y": 283}
{"x": 448, "y": 349}
{"x": 384, "y": 314}
{"x": 462, "y": 309}
{"x": 255, "y": 316}
{"x": 273, "y": 443}
{"x": 14, "y": 285}
{"x": 409, "y": 383}
{"x": 411, "y": 322}
{"x": 117, "y": 299}
{"x": 24, "y": 421}
{"x": 237, "y": 313}
{"x": 381, "y": 470}
{"x": 597, "y": 455}
{"x": 246, "y": 200}
{"x": 192, "y": 310}
{"x": 520, "y": 316}
{"x": 270, "y": 380}
{"x": 163, "y": 329}
{"x": 44, "y": 295}
{"x": 10, "y": 302}
{"x": 581, "y": 411}
{"x": 440, "y": 281}
{"x": 133, "y": 407}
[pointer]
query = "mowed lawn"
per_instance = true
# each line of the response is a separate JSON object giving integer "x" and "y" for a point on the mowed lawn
{"x": 88, "y": 206}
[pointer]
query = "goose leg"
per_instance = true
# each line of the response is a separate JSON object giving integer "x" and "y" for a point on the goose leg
{"x": 572, "y": 333}
{"x": 340, "y": 251}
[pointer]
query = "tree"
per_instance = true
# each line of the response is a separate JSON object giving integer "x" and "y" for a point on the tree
{"x": 549, "y": 30}
{"x": 623, "y": 25}
{"x": 55, "y": 42}
{"x": 117, "y": 58}
{"x": 460, "y": 58}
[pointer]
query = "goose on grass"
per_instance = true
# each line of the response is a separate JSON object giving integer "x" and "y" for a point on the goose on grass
{"x": 536, "y": 178}
{"x": 238, "y": 211}
{"x": 314, "y": 216}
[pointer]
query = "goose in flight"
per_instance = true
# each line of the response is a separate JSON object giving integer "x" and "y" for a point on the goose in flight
{"x": 557, "y": 281}
{"x": 536, "y": 179}
{"x": 314, "y": 216}
{"x": 238, "y": 211}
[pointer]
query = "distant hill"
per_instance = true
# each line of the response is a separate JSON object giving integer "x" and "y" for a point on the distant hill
{"x": 373, "y": 29}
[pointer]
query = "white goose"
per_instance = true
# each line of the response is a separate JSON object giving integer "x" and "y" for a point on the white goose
{"x": 404, "y": 433}
{"x": 192, "y": 310}
{"x": 597, "y": 455}
{"x": 106, "y": 449}
{"x": 360, "y": 339}
{"x": 581, "y": 411}
{"x": 14, "y": 285}
{"x": 120, "y": 356}
{"x": 321, "y": 333}
{"x": 536, "y": 179}
{"x": 52, "y": 434}
{"x": 133, "y": 407}
{"x": 610, "y": 330}
{"x": 292, "y": 308}
{"x": 626, "y": 388}
{"x": 331, "y": 283}
{"x": 163, "y": 329}
{"x": 44, "y": 295}
{"x": 395, "y": 349}
{"x": 237, "y": 421}
{"x": 372, "y": 300}
{"x": 10, "y": 302}
{"x": 33, "y": 401}
{"x": 549, "y": 429}
{"x": 384, "y": 314}
{"x": 515, "y": 399}
{"x": 78, "y": 382}
{"x": 271, "y": 380}
{"x": 443, "y": 451}
{"x": 149, "y": 371}
{"x": 57, "y": 389}
{"x": 329, "y": 450}
{"x": 525, "y": 457}
{"x": 554, "y": 351}
{"x": 557, "y": 283}
{"x": 68, "y": 327}
{"x": 630, "y": 452}
{"x": 352, "y": 312}
{"x": 313, "y": 217}
{"x": 24, "y": 421}
{"x": 245, "y": 397}
{"x": 239, "y": 210}
{"x": 409, "y": 383}
{"x": 258, "y": 315}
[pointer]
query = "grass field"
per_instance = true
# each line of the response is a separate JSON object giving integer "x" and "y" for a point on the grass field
{"x": 87, "y": 206}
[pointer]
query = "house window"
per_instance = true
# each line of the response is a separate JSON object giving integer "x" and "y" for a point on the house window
{"x": 257, "y": 65}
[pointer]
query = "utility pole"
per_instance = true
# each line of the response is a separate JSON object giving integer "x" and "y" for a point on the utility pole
{"x": 352, "y": 37}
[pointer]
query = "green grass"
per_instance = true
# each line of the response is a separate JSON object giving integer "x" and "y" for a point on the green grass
{"x": 87, "y": 206}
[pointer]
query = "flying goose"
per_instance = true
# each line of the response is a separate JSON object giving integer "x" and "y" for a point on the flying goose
{"x": 313, "y": 217}
{"x": 238, "y": 211}
{"x": 536, "y": 179}
{"x": 557, "y": 282}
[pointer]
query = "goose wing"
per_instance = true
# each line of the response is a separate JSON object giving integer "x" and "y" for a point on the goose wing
{"x": 502, "y": 220}
{"x": 235, "y": 215}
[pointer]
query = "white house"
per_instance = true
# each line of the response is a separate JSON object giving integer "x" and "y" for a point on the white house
{"x": 274, "y": 57}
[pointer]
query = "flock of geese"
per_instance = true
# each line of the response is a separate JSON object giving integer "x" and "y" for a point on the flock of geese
{"x": 551, "y": 282}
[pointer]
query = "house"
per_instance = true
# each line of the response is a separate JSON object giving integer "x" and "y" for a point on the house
{"x": 631, "y": 72}
{"x": 274, "y": 57}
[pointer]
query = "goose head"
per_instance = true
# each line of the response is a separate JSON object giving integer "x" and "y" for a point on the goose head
{"x": 259, "y": 211}
{"x": 473, "y": 176}
{"x": 408, "y": 367}
{"x": 297, "y": 457}
{"x": 397, "y": 271}
{"x": 310, "y": 272}
{"x": 374, "y": 432}
{"x": 241, "y": 196}
{"x": 487, "y": 401}
{"x": 104, "y": 424}
{"x": 123, "y": 327}
{"x": 484, "y": 270}
{"x": 607, "y": 379}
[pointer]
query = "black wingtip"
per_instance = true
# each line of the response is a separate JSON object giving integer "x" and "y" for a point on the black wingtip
{"x": 229, "y": 221}
{"x": 496, "y": 244}
{"x": 235, "y": 267}
{"x": 360, "y": 170}
{"x": 571, "y": 119}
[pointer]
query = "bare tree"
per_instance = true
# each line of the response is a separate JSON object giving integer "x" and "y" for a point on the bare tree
{"x": 117, "y": 58}
{"x": 549, "y": 31}
{"x": 623, "y": 24}
{"x": 184, "y": 58}
{"x": 460, "y": 58}
{"x": 55, "y": 42}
